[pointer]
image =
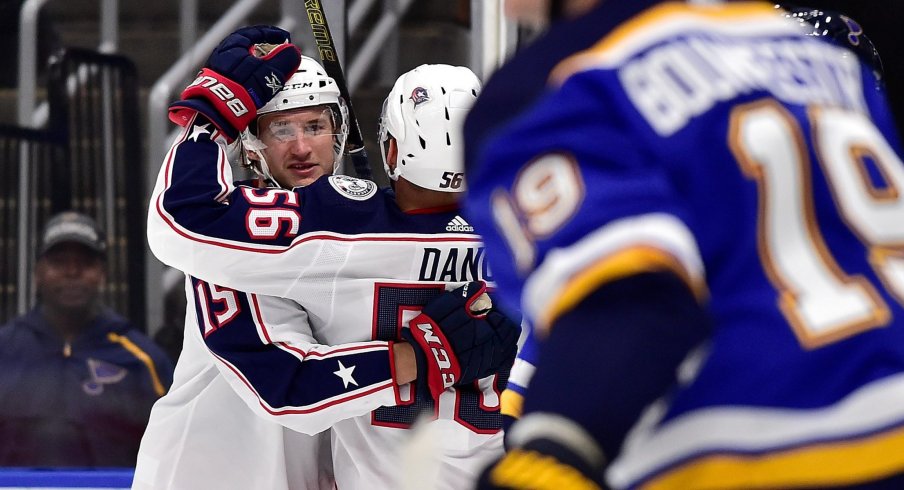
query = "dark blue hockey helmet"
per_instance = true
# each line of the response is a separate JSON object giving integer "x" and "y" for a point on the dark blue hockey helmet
{"x": 840, "y": 30}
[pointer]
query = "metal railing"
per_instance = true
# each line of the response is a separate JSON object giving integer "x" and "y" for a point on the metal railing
{"x": 97, "y": 114}
{"x": 87, "y": 159}
{"x": 40, "y": 150}
{"x": 490, "y": 42}
{"x": 493, "y": 37}
{"x": 30, "y": 115}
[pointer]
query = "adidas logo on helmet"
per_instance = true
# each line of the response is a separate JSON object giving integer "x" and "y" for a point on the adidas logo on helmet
{"x": 459, "y": 224}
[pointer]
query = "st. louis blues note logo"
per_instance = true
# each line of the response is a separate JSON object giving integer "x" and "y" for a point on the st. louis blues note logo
{"x": 855, "y": 30}
{"x": 419, "y": 96}
{"x": 102, "y": 373}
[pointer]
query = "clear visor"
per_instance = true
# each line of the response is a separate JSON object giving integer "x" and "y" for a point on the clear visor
{"x": 383, "y": 131}
{"x": 285, "y": 130}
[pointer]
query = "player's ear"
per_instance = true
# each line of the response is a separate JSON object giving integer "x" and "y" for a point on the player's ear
{"x": 392, "y": 153}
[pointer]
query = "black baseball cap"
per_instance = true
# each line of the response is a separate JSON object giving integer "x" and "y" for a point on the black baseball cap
{"x": 72, "y": 227}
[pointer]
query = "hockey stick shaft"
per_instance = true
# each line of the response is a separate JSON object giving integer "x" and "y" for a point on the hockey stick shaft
{"x": 326, "y": 48}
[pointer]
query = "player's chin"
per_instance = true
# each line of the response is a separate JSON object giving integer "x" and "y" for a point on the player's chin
{"x": 307, "y": 177}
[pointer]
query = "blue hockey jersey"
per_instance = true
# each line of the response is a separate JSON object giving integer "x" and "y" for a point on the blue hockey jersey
{"x": 719, "y": 143}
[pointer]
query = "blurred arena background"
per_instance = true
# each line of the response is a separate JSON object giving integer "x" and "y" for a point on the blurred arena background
{"x": 84, "y": 94}
{"x": 85, "y": 85}
{"x": 83, "y": 100}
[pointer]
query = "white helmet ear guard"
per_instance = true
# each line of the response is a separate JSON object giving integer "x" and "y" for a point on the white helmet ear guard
{"x": 251, "y": 143}
{"x": 309, "y": 86}
{"x": 425, "y": 113}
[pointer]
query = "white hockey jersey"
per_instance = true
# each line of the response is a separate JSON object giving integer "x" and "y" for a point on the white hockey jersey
{"x": 361, "y": 268}
{"x": 202, "y": 435}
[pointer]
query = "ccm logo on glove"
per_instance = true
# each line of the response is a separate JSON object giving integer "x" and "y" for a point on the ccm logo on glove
{"x": 439, "y": 353}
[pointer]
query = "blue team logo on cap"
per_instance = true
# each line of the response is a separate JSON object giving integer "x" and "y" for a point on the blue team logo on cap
{"x": 419, "y": 96}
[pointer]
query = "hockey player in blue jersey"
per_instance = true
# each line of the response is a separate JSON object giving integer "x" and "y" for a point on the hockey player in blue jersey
{"x": 833, "y": 27}
{"x": 363, "y": 263}
{"x": 699, "y": 209}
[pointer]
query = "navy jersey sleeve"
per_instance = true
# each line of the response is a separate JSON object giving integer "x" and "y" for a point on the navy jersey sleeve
{"x": 265, "y": 348}
{"x": 241, "y": 237}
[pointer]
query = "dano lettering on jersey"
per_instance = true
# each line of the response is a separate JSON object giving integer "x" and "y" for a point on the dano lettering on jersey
{"x": 460, "y": 264}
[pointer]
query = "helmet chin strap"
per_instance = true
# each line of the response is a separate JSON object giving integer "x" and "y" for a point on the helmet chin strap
{"x": 262, "y": 170}
{"x": 339, "y": 156}
{"x": 259, "y": 166}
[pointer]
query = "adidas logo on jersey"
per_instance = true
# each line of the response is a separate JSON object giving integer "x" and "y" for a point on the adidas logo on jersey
{"x": 459, "y": 224}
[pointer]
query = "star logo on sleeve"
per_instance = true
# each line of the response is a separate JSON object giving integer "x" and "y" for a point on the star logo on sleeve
{"x": 346, "y": 374}
{"x": 197, "y": 131}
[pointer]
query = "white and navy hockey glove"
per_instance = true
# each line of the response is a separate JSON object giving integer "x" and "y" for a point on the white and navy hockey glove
{"x": 239, "y": 78}
{"x": 459, "y": 338}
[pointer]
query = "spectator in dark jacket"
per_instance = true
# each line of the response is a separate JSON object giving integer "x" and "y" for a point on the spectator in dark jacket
{"x": 77, "y": 381}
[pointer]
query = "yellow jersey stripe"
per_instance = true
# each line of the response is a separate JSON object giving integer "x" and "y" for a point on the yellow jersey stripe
{"x": 511, "y": 403}
{"x": 647, "y": 21}
{"x": 619, "y": 265}
{"x": 530, "y": 469}
{"x": 837, "y": 463}
{"x": 142, "y": 356}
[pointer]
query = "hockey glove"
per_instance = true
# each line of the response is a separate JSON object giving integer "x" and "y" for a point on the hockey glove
{"x": 540, "y": 465}
{"x": 238, "y": 79}
{"x": 457, "y": 341}
{"x": 558, "y": 454}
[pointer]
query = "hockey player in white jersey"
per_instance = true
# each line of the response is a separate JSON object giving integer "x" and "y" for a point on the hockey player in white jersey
{"x": 202, "y": 434}
{"x": 362, "y": 264}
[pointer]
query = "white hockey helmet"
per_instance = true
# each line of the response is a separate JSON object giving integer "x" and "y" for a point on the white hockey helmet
{"x": 309, "y": 86}
{"x": 425, "y": 113}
